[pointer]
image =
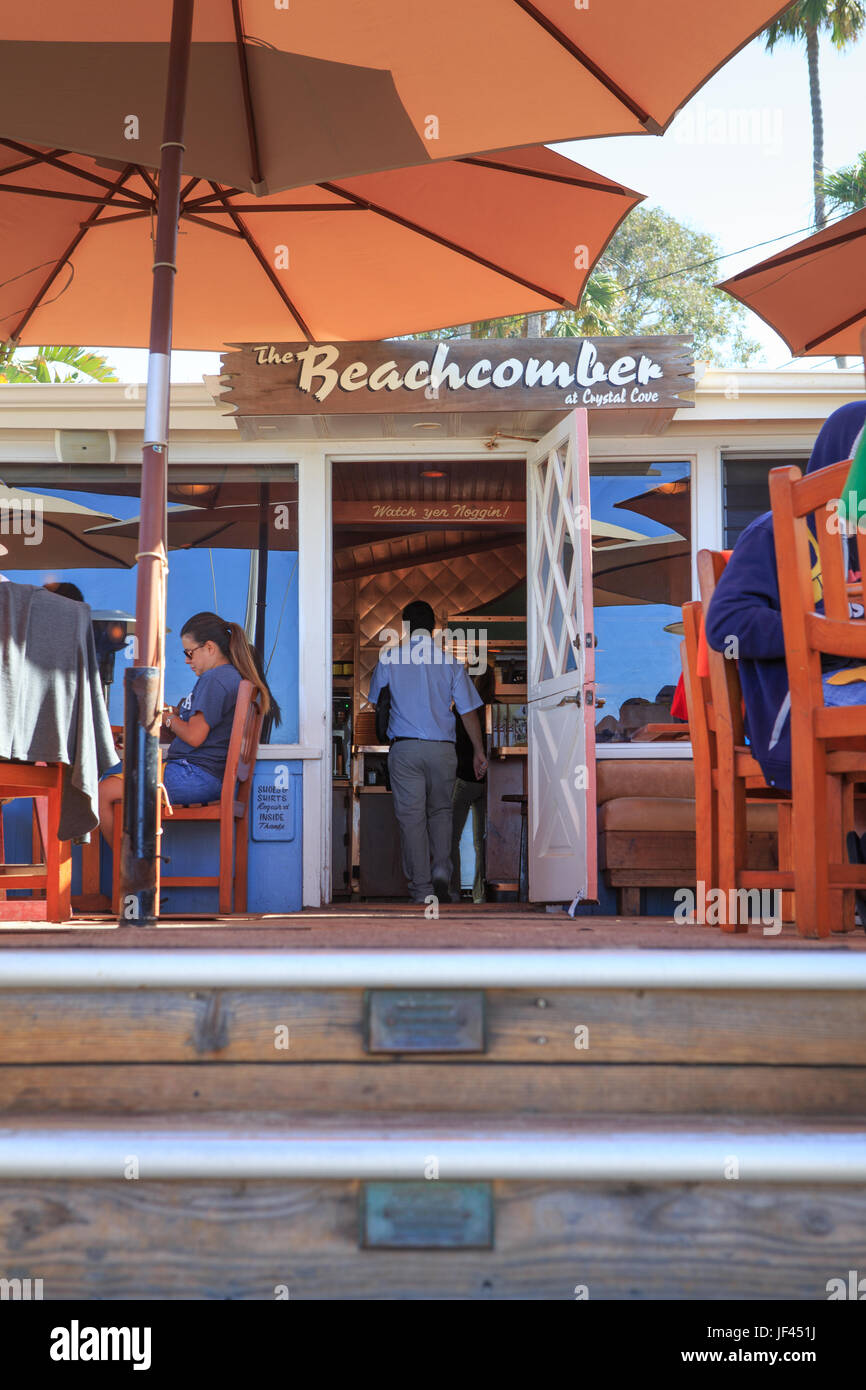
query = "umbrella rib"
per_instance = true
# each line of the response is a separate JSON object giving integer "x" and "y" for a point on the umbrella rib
{"x": 214, "y": 226}
{"x": 249, "y": 113}
{"x": 649, "y": 122}
{"x": 822, "y": 337}
{"x": 261, "y": 258}
{"x": 121, "y": 217}
{"x": 443, "y": 241}
{"x": 278, "y": 207}
{"x": 24, "y": 164}
{"x": 595, "y": 184}
{"x": 69, "y": 197}
{"x": 62, "y": 260}
{"x": 145, "y": 175}
{"x": 106, "y": 554}
{"x": 44, "y": 157}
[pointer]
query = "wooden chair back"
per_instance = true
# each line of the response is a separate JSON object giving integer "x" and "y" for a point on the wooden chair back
{"x": 807, "y": 529}
{"x": 827, "y": 743}
{"x": 702, "y": 733}
{"x": 243, "y": 747}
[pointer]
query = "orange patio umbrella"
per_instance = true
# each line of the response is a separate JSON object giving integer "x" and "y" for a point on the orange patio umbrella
{"x": 357, "y": 258}
{"x": 285, "y": 92}
{"x": 813, "y": 294}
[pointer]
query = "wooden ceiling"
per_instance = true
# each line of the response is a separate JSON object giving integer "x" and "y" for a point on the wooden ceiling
{"x": 480, "y": 480}
{"x": 362, "y": 548}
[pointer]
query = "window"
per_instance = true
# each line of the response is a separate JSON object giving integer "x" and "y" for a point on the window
{"x": 746, "y": 487}
{"x": 213, "y": 568}
{"x": 641, "y": 552}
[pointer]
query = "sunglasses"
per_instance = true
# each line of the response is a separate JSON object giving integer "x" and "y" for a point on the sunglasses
{"x": 188, "y": 651}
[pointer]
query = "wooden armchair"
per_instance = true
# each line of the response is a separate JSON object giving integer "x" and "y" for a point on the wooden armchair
{"x": 737, "y": 779}
{"x": 828, "y": 745}
{"x": 232, "y": 812}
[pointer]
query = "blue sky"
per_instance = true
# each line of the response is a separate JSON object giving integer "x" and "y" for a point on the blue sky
{"x": 742, "y": 191}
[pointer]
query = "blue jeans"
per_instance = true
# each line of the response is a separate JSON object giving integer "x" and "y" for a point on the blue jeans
{"x": 852, "y": 694}
{"x": 187, "y": 783}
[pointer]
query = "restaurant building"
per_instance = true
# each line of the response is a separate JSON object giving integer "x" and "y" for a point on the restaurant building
{"x": 555, "y": 546}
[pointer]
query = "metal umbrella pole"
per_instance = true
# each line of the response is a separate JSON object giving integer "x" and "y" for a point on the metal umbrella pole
{"x": 143, "y": 685}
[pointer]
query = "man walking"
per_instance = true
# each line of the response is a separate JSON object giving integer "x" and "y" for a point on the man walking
{"x": 425, "y": 682}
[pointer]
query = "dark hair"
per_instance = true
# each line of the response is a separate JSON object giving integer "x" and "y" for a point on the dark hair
{"x": 231, "y": 640}
{"x": 420, "y": 616}
{"x": 65, "y": 590}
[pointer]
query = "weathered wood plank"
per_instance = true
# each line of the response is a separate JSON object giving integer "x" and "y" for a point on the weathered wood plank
{"x": 151, "y": 1240}
{"x": 412, "y": 1087}
{"x": 573, "y": 1026}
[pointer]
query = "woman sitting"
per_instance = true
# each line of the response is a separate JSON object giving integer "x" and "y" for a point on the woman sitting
{"x": 221, "y": 657}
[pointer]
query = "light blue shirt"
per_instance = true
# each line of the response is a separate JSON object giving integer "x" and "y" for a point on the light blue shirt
{"x": 424, "y": 682}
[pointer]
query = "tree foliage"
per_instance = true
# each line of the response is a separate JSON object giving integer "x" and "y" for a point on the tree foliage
{"x": 55, "y": 364}
{"x": 665, "y": 273}
{"x": 845, "y": 190}
{"x": 656, "y": 276}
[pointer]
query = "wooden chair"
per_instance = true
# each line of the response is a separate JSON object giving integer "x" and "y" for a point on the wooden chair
{"x": 828, "y": 745}
{"x": 53, "y": 873}
{"x": 736, "y": 775}
{"x": 232, "y": 812}
{"x": 702, "y": 729}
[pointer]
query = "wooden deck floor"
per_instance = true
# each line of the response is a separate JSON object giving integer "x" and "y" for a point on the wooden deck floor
{"x": 399, "y": 927}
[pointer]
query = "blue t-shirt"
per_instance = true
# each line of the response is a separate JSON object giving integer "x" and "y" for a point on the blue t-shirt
{"x": 425, "y": 681}
{"x": 214, "y": 697}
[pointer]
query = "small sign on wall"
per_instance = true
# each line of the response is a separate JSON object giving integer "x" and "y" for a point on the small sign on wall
{"x": 272, "y": 806}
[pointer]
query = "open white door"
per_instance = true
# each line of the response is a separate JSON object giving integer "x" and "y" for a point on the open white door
{"x": 561, "y": 667}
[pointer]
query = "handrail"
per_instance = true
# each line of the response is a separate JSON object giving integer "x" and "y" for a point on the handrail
{"x": 792, "y": 1152}
{"x": 834, "y": 966}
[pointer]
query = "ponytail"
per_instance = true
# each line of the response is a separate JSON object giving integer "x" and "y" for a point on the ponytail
{"x": 232, "y": 642}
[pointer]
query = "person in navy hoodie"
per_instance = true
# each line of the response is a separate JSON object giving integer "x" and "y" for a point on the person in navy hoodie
{"x": 747, "y": 608}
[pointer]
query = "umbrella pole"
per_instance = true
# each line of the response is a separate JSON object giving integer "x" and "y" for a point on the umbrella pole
{"x": 143, "y": 686}
{"x": 262, "y": 587}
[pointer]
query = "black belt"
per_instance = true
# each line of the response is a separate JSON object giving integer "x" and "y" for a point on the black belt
{"x": 404, "y": 738}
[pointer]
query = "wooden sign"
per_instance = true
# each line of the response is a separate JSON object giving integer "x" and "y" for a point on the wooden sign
{"x": 437, "y": 377}
{"x": 430, "y": 513}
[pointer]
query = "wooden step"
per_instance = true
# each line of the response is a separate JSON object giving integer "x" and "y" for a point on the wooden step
{"x": 524, "y": 1088}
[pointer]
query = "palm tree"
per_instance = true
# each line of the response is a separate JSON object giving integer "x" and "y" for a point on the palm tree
{"x": 54, "y": 364}
{"x": 844, "y": 21}
{"x": 846, "y": 189}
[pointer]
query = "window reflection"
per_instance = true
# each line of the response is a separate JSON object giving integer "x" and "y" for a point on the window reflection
{"x": 641, "y": 553}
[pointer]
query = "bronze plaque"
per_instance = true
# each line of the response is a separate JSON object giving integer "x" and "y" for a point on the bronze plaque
{"x": 426, "y": 1216}
{"x": 440, "y": 376}
{"x": 424, "y": 1020}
